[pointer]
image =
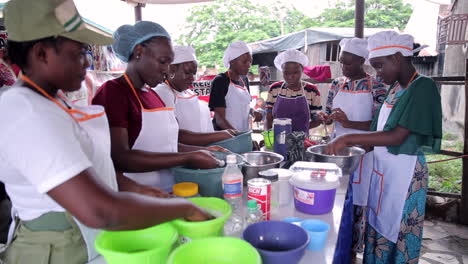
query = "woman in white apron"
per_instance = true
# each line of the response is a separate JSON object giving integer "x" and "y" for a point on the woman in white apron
{"x": 293, "y": 98}
{"x": 352, "y": 101}
{"x": 55, "y": 157}
{"x": 144, "y": 131}
{"x": 230, "y": 97}
{"x": 409, "y": 121}
{"x": 192, "y": 114}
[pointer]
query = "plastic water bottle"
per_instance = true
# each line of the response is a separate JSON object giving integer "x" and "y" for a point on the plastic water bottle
{"x": 232, "y": 187}
{"x": 253, "y": 213}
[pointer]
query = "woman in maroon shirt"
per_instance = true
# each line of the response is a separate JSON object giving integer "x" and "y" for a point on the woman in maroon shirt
{"x": 144, "y": 133}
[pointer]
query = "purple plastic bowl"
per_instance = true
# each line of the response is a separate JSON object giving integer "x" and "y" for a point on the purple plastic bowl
{"x": 278, "y": 242}
{"x": 318, "y": 202}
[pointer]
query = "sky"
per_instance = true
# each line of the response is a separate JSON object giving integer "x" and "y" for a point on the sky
{"x": 113, "y": 13}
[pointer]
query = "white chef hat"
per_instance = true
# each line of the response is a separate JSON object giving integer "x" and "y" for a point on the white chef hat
{"x": 290, "y": 55}
{"x": 184, "y": 54}
{"x": 386, "y": 43}
{"x": 355, "y": 46}
{"x": 234, "y": 51}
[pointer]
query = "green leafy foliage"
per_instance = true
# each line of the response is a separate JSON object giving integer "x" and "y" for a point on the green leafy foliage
{"x": 446, "y": 176}
{"x": 378, "y": 14}
{"x": 213, "y": 26}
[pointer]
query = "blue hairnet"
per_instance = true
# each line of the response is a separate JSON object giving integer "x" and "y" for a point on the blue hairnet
{"x": 127, "y": 37}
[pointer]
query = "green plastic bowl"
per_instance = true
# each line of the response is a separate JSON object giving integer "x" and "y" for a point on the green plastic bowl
{"x": 209, "y": 181}
{"x": 219, "y": 250}
{"x": 145, "y": 246}
{"x": 269, "y": 139}
{"x": 239, "y": 144}
{"x": 211, "y": 228}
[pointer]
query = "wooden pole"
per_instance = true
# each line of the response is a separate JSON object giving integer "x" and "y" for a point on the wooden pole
{"x": 463, "y": 213}
{"x": 138, "y": 15}
{"x": 359, "y": 19}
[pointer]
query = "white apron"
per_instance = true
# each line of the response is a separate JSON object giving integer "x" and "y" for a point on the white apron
{"x": 357, "y": 105}
{"x": 389, "y": 185}
{"x": 191, "y": 113}
{"x": 205, "y": 117}
{"x": 94, "y": 122}
{"x": 159, "y": 133}
{"x": 238, "y": 106}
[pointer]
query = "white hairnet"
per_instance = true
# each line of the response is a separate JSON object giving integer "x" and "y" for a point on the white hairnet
{"x": 355, "y": 46}
{"x": 234, "y": 51}
{"x": 291, "y": 55}
{"x": 127, "y": 37}
{"x": 387, "y": 43}
{"x": 184, "y": 54}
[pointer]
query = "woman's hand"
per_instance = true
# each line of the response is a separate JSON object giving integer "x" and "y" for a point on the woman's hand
{"x": 323, "y": 117}
{"x": 217, "y": 149}
{"x": 339, "y": 116}
{"x": 232, "y": 132}
{"x": 202, "y": 159}
{"x": 152, "y": 191}
{"x": 197, "y": 214}
{"x": 336, "y": 145}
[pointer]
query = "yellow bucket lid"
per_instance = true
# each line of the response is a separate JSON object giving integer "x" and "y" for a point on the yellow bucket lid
{"x": 185, "y": 189}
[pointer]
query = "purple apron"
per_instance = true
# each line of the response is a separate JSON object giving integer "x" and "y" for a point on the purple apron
{"x": 297, "y": 109}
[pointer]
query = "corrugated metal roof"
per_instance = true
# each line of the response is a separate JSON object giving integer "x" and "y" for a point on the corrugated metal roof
{"x": 296, "y": 40}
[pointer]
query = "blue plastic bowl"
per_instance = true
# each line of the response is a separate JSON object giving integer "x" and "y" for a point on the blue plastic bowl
{"x": 278, "y": 242}
{"x": 209, "y": 181}
{"x": 239, "y": 144}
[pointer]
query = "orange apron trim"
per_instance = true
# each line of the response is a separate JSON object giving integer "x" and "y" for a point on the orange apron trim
{"x": 139, "y": 101}
{"x": 382, "y": 177}
{"x": 71, "y": 112}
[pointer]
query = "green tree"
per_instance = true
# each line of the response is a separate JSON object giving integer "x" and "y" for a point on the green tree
{"x": 378, "y": 14}
{"x": 213, "y": 26}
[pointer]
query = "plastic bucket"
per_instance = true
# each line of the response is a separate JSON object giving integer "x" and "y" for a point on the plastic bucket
{"x": 209, "y": 181}
{"x": 219, "y": 250}
{"x": 146, "y": 246}
{"x": 239, "y": 144}
{"x": 313, "y": 195}
{"x": 211, "y": 228}
{"x": 269, "y": 139}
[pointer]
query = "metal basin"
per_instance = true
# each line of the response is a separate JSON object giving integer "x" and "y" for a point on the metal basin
{"x": 348, "y": 159}
{"x": 259, "y": 161}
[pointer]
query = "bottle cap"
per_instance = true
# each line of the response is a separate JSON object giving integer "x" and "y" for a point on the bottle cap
{"x": 252, "y": 204}
{"x": 269, "y": 175}
{"x": 230, "y": 159}
{"x": 185, "y": 189}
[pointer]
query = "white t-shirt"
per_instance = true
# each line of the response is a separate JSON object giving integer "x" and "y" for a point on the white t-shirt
{"x": 41, "y": 147}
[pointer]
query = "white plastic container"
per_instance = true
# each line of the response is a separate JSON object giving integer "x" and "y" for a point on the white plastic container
{"x": 285, "y": 193}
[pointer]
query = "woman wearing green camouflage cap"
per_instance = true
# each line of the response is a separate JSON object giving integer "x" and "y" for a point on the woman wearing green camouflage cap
{"x": 55, "y": 157}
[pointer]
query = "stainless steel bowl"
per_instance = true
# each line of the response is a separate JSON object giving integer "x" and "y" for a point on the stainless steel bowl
{"x": 348, "y": 159}
{"x": 259, "y": 161}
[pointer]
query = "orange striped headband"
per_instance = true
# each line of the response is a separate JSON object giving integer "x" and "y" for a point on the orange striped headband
{"x": 392, "y": 46}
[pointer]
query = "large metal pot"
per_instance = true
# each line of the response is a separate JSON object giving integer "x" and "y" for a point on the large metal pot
{"x": 348, "y": 159}
{"x": 259, "y": 161}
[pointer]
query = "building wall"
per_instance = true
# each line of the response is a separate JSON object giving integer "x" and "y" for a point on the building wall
{"x": 453, "y": 96}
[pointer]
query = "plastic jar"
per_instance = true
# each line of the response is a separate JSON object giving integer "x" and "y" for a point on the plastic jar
{"x": 285, "y": 192}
